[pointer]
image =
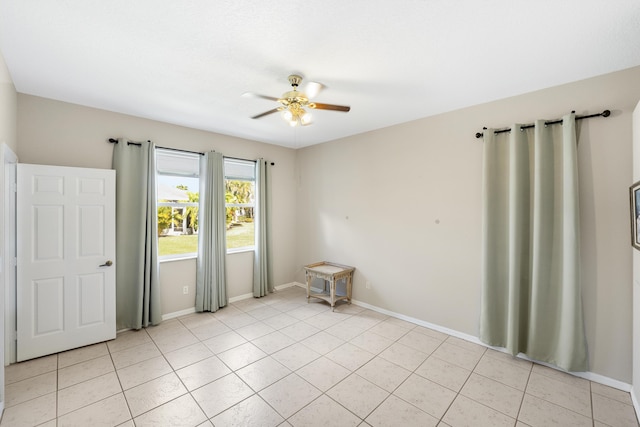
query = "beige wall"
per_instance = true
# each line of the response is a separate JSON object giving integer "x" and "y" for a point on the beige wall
{"x": 58, "y": 133}
{"x": 403, "y": 206}
{"x": 174, "y": 275}
{"x": 8, "y": 108}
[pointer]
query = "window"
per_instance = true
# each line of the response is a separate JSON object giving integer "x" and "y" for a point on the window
{"x": 178, "y": 195}
{"x": 239, "y": 184}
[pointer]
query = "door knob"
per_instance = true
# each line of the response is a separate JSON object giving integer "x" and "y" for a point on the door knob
{"x": 107, "y": 264}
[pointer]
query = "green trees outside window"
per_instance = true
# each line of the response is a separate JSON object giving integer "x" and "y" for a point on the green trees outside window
{"x": 239, "y": 198}
{"x": 178, "y": 198}
{"x": 178, "y": 221}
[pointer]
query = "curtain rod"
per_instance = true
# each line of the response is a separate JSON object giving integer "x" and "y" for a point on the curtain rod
{"x": 248, "y": 160}
{"x": 238, "y": 158}
{"x": 115, "y": 141}
{"x": 605, "y": 113}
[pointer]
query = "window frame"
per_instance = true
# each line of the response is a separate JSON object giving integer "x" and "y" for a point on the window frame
{"x": 159, "y": 204}
{"x": 252, "y": 205}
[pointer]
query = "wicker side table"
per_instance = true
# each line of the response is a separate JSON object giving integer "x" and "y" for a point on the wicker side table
{"x": 331, "y": 273}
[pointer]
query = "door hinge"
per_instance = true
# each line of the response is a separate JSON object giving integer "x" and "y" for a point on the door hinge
{"x": 15, "y": 262}
{"x": 14, "y": 187}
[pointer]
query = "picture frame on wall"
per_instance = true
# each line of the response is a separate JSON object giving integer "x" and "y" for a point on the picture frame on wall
{"x": 634, "y": 196}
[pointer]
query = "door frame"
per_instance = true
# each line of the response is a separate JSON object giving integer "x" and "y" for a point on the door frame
{"x": 8, "y": 160}
{"x": 8, "y": 226}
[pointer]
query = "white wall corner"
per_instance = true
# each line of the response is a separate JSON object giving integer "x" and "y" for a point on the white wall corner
{"x": 288, "y": 285}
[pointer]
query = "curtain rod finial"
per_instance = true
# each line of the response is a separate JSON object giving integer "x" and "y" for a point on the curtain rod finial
{"x": 606, "y": 113}
{"x": 479, "y": 134}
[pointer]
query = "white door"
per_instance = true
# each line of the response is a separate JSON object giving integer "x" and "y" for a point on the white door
{"x": 66, "y": 258}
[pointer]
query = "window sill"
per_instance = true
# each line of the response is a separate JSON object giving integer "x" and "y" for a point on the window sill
{"x": 240, "y": 250}
{"x": 194, "y": 256}
{"x": 182, "y": 257}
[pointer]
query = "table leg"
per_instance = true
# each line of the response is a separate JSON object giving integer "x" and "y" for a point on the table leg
{"x": 332, "y": 290}
{"x": 308, "y": 287}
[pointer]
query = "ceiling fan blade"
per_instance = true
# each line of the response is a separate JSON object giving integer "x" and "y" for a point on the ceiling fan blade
{"x": 312, "y": 89}
{"x": 319, "y": 106}
{"x": 266, "y": 113}
{"x": 257, "y": 95}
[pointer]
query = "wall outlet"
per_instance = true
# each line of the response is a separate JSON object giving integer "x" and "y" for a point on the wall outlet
{"x": 368, "y": 285}
{"x": 185, "y": 290}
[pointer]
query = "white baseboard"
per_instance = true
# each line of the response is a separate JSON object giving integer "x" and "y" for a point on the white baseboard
{"x": 591, "y": 376}
{"x": 175, "y": 314}
{"x": 634, "y": 400}
{"x": 419, "y": 322}
{"x": 287, "y": 285}
{"x": 240, "y": 298}
{"x": 250, "y": 295}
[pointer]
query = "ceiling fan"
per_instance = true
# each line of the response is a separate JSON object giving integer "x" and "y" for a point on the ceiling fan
{"x": 294, "y": 102}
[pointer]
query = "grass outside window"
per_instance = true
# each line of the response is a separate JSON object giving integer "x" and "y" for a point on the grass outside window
{"x": 238, "y": 236}
{"x": 241, "y": 235}
{"x": 178, "y": 245}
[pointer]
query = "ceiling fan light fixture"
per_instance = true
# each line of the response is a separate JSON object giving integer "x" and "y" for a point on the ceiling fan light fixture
{"x": 295, "y": 114}
{"x": 294, "y": 102}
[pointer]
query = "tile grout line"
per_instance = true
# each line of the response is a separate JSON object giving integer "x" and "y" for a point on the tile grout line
{"x": 118, "y": 378}
{"x": 593, "y": 418}
{"x": 57, "y": 385}
{"x": 524, "y": 393}
{"x": 458, "y": 393}
{"x": 189, "y": 392}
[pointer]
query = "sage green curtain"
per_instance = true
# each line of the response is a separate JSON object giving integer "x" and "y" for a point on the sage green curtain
{"x": 211, "y": 276}
{"x": 137, "y": 271}
{"x": 531, "y": 296}
{"x": 262, "y": 280}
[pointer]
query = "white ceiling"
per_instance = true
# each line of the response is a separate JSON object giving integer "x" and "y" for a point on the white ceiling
{"x": 392, "y": 61}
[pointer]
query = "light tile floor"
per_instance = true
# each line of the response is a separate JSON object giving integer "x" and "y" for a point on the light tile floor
{"x": 280, "y": 361}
